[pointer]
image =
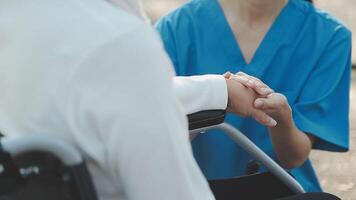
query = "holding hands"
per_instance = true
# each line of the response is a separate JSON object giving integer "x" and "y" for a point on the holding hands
{"x": 269, "y": 108}
{"x": 291, "y": 145}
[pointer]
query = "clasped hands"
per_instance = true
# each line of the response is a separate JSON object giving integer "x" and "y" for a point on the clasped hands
{"x": 250, "y": 97}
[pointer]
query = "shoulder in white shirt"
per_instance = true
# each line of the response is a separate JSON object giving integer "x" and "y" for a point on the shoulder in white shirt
{"x": 89, "y": 73}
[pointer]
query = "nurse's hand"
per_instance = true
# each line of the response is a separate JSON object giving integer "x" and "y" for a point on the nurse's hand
{"x": 275, "y": 105}
{"x": 241, "y": 101}
{"x": 251, "y": 82}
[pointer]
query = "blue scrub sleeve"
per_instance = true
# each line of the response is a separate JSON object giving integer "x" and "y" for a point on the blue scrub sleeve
{"x": 322, "y": 109}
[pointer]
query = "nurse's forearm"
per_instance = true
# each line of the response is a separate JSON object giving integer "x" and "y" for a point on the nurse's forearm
{"x": 291, "y": 145}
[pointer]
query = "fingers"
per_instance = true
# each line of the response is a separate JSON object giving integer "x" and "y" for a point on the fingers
{"x": 273, "y": 101}
{"x": 253, "y": 83}
{"x": 227, "y": 75}
{"x": 252, "y": 80}
{"x": 263, "y": 118}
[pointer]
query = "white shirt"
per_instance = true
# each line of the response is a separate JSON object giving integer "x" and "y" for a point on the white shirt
{"x": 97, "y": 77}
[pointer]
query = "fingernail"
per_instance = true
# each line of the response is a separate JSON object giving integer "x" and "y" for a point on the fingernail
{"x": 273, "y": 122}
{"x": 227, "y": 75}
{"x": 258, "y": 103}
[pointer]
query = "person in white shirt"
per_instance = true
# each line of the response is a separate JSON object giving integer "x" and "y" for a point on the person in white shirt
{"x": 95, "y": 74}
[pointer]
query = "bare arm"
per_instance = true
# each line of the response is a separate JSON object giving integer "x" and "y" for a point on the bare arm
{"x": 291, "y": 145}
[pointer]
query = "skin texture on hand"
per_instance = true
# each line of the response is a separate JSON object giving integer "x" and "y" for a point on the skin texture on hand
{"x": 251, "y": 82}
{"x": 291, "y": 145}
{"x": 274, "y": 104}
{"x": 241, "y": 101}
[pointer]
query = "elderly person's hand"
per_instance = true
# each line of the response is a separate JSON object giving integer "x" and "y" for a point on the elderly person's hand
{"x": 241, "y": 101}
{"x": 273, "y": 104}
{"x": 250, "y": 82}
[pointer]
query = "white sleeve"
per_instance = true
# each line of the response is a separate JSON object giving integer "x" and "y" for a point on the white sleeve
{"x": 122, "y": 98}
{"x": 199, "y": 93}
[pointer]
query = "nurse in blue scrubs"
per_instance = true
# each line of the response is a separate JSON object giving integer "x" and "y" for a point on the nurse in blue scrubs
{"x": 303, "y": 53}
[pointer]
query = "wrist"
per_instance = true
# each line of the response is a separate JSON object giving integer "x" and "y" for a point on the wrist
{"x": 285, "y": 121}
{"x": 229, "y": 86}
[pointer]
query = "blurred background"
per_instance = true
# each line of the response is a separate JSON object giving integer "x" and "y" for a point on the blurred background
{"x": 336, "y": 170}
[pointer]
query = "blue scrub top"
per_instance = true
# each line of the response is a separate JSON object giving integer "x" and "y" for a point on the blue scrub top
{"x": 306, "y": 55}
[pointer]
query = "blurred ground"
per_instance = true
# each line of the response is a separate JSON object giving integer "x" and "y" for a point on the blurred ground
{"x": 344, "y": 10}
{"x": 336, "y": 170}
